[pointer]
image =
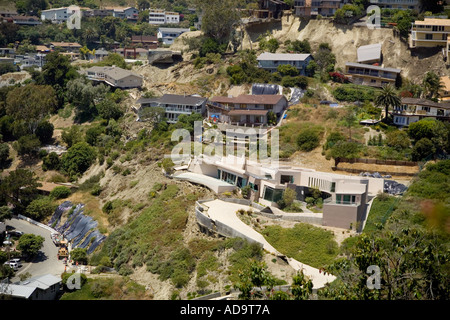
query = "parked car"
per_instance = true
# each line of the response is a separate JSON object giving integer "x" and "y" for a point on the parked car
{"x": 16, "y": 233}
{"x": 16, "y": 260}
{"x": 12, "y": 265}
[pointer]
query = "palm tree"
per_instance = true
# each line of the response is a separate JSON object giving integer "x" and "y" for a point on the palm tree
{"x": 386, "y": 98}
{"x": 432, "y": 84}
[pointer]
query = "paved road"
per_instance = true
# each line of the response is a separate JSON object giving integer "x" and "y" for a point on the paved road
{"x": 46, "y": 261}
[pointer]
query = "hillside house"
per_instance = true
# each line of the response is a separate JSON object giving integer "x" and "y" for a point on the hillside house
{"x": 129, "y": 13}
{"x": 397, "y": 4}
{"x": 414, "y": 109}
{"x": 168, "y": 35}
{"x": 270, "y": 9}
{"x": 246, "y": 110}
{"x": 313, "y": 8}
{"x": 430, "y": 33}
{"x": 370, "y": 75}
{"x": 115, "y": 77}
{"x": 45, "y": 287}
{"x": 158, "y": 16}
{"x": 271, "y": 61}
{"x": 175, "y": 105}
{"x": 345, "y": 197}
{"x": 73, "y": 47}
{"x": 147, "y": 42}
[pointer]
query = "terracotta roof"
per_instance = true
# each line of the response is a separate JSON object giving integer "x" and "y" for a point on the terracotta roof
{"x": 250, "y": 99}
{"x": 446, "y": 81}
{"x": 66, "y": 44}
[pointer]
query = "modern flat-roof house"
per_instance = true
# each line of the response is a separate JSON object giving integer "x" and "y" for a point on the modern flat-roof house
{"x": 158, "y": 16}
{"x": 271, "y": 61}
{"x": 115, "y": 77}
{"x": 313, "y": 8}
{"x": 168, "y": 35}
{"x": 370, "y": 75}
{"x": 414, "y": 109}
{"x": 45, "y": 287}
{"x": 345, "y": 197}
{"x": 397, "y": 4}
{"x": 246, "y": 110}
{"x": 369, "y": 54}
{"x": 175, "y": 105}
{"x": 429, "y": 33}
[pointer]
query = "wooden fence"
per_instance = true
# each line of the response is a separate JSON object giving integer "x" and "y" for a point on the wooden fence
{"x": 383, "y": 173}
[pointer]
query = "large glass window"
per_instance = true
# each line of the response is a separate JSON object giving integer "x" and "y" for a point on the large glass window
{"x": 273, "y": 195}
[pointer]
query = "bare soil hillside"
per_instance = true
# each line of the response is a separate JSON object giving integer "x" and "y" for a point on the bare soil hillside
{"x": 344, "y": 41}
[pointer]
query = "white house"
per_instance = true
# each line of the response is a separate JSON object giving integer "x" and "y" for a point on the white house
{"x": 58, "y": 15}
{"x": 46, "y": 287}
{"x": 157, "y": 16}
{"x": 168, "y": 35}
{"x": 414, "y": 109}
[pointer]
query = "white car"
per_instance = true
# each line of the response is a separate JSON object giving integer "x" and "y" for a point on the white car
{"x": 12, "y": 265}
{"x": 16, "y": 260}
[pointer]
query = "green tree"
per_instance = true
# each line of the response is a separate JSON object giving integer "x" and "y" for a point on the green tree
{"x": 386, "y": 98}
{"x": 27, "y": 146}
{"x": 108, "y": 109}
{"x": 79, "y": 255}
{"x": 308, "y": 139}
{"x": 19, "y": 188}
{"x": 287, "y": 70}
{"x": 299, "y": 46}
{"x": 5, "y": 213}
{"x": 51, "y": 162}
{"x": 434, "y": 130}
{"x": 4, "y": 154}
{"x": 78, "y": 159}
{"x": 44, "y": 131}
{"x": 422, "y": 149}
{"x": 30, "y": 244}
{"x": 254, "y": 276}
{"x": 72, "y": 135}
{"x": 301, "y": 287}
{"x": 344, "y": 149}
{"x": 432, "y": 84}
{"x": 41, "y": 208}
{"x": 31, "y": 103}
{"x": 219, "y": 17}
{"x": 398, "y": 140}
{"x": 324, "y": 59}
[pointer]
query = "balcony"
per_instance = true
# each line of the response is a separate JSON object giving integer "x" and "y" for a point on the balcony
{"x": 329, "y": 201}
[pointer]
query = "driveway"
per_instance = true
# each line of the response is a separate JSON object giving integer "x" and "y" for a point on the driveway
{"x": 225, "y": 212}
{"x": 46, "y": 262}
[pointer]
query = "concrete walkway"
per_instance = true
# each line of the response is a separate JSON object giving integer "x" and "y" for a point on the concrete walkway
{"x": 225, "y": 212}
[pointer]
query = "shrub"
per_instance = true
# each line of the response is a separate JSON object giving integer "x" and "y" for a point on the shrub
{"x": 44, "y": 131}
{"x": 41, "y": 208}
{"x": 308, "y": 139}
{"x": 60, "y": 192}
{"x": 51, "y": 162}
{"x": 78, "y": 159}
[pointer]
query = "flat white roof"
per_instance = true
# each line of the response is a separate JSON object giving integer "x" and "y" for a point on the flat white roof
{"x": 369, "y": 52}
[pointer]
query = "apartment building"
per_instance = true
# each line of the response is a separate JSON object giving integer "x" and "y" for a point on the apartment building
{"x": 397, "y": 4}
{"x": 271, "y": 61}
{"x": 414, "y": 109}
{"x": 270, "y": 9}
{"x": 58, "y": 15}
{"x": 430, "y": 32}
{"x": 175, "y": 105}
{"x": 246, "y": 110}
{"x": 115, "y": 77}
{"x": 157, "y": 16}
{"x": 345, "y": 197}
{"x": 313, "y": 8}
{"x": 371, "y": 75}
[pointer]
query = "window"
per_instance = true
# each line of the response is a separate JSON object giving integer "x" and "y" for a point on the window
{"x": 272, "y": 195}
{"x": 429, "y": 36}
{"x": 286, "y": 179}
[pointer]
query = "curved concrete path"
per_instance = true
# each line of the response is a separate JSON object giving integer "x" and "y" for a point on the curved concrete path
{"x": 225, "y": 212}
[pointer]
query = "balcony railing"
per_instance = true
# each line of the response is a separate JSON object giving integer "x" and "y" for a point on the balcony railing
{"x": 342, "y": 202}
